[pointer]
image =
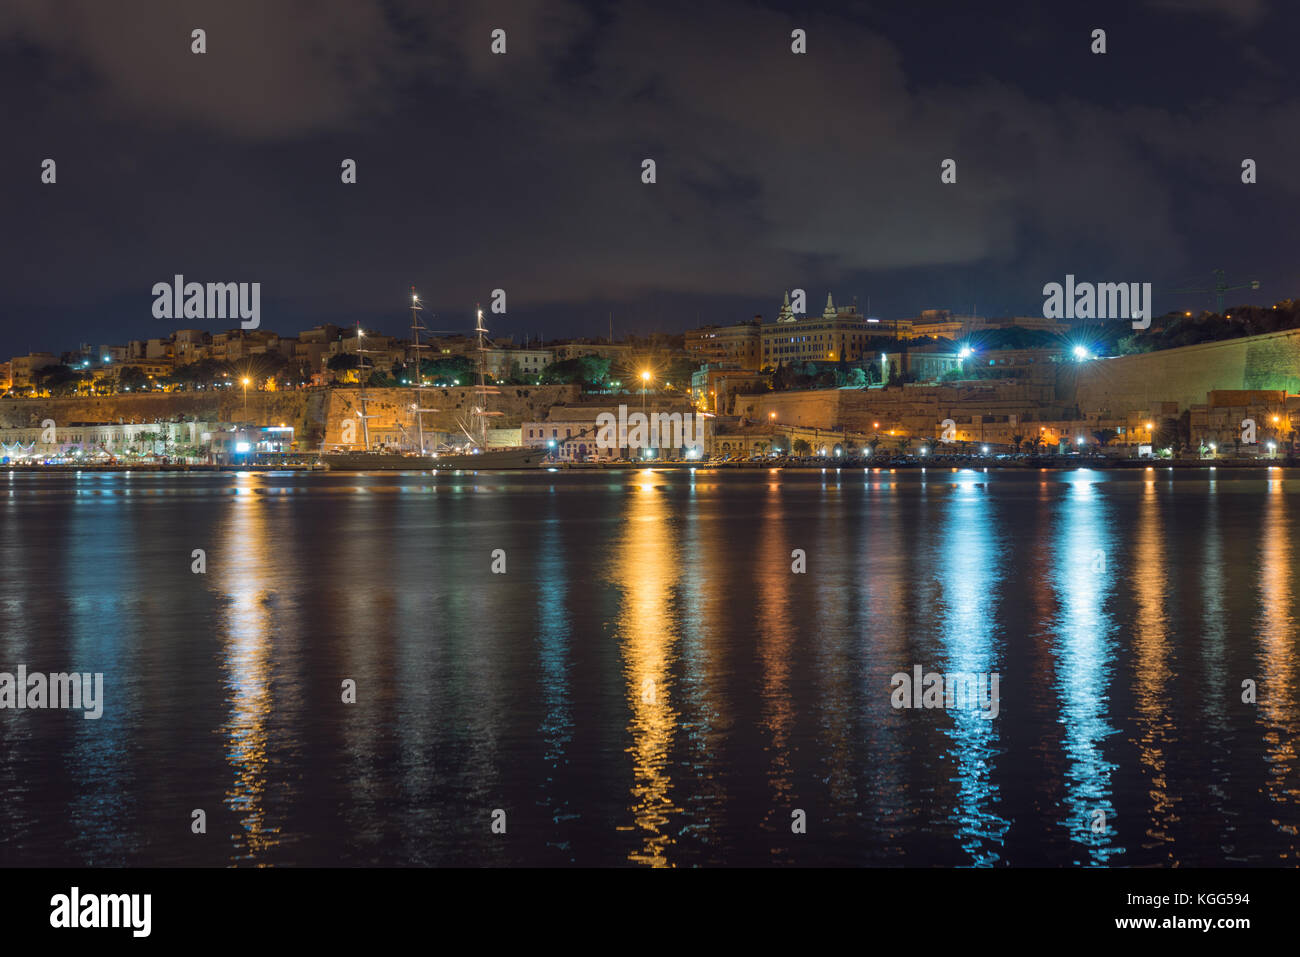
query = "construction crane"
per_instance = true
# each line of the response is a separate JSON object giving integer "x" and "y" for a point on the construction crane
{"x": 1220, "y": 287}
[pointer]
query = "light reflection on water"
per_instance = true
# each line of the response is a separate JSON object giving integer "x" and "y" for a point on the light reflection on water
{"x": 651, "y": 682}
{"x": 970, "y": 641}
{"x": 645, "y": 572}
{"x": 240, "y": 576}
{"x": 1277, "y": 667}
{"x": 1081, "y": 636}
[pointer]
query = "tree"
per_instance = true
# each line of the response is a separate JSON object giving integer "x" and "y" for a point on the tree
{"x": 678, "y": 373}
{"x": 586, "y": 371}
{"x": 58, "y": 379}
{"x": 893, "y": 375}
{"x": 132, "y": 379}
{"x": 297, "y": 373}
{"x": 874, "y": 441}
{"x": 801, "y": 447}
{"x": 1132, "y": 345}
{"x": 784, "y": 378}
{"x": 1167, "y": 434}
{"x": 904, "y": 444}
{"x": 203, "y": 374}
{"x": 1016, "y": 440}
{"x": 448, "y": 370}
{"x": 1105, "y": 436}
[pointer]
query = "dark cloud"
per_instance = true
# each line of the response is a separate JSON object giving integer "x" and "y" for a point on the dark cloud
{"x": 523, "y": 171}
{"x": 1244, "y": 13}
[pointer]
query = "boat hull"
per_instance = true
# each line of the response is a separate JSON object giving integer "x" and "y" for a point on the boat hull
{"x": 489, "y": 460}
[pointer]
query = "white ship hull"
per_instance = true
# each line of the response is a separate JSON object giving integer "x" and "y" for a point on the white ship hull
{"x": 487, "y": 460}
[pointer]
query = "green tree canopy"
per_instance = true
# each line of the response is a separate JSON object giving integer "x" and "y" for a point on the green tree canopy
{"x": 133, "y": 379}
{"x": 58, "y": 379}
{"x": 586, "y": 371}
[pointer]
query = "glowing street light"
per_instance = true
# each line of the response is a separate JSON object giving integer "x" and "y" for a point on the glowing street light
{"x": 245, "y": 396}
{"x": 645, "y": 381}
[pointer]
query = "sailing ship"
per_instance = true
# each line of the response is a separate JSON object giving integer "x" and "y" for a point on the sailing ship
{"x": 474, "y": 452}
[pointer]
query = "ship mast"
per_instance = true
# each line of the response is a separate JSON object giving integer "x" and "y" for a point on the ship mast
{"x": 361, "y": 378}
{"x": 483, "y": 390}
{"x": 416, "y": 347}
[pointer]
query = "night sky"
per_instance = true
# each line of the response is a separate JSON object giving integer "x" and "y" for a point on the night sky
{"x": 523, "y": 171}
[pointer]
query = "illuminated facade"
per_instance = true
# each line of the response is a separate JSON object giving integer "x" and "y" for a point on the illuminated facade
{"x": 840, "y": 333}
{"x": 740, "y": 345}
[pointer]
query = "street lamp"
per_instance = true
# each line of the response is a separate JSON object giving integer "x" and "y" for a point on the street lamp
{"x": 246, "y": 397}
{"x": 645, "y": 381}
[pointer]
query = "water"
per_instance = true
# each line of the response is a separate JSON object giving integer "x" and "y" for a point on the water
{"x": 649, "y": 683}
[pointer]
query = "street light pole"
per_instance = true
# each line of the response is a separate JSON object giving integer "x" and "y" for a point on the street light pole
{"x": 245, "y": 397}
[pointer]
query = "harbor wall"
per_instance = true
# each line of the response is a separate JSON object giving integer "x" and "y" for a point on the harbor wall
{"x": 1115, "y": 388}
{"x": 815, "y": 408}
{"x": 301, "y": 410}
{"x": 913, "y": 409}
{"x": 314, "y": 414}
{"x": 390, "y": 409}
{"x": 1184, "y": 376}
